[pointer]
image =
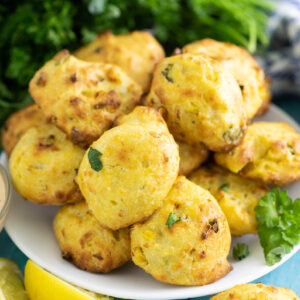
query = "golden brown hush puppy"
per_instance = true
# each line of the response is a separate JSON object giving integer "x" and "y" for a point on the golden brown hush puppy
{"x": 125, "y": 175}
{"x": 255, "y": 291}
{"x": 270, "y": 152}
{"x": 186, "y": 241}
{"x": 88, "y": 245}
{"x": 83, "y": 98}
{"x": 202, "y": 102}
{"x": 18, "y": 123}
{"x": 43, "y": 166}
{"x": 191, "y": 157}
{"x": 237, "y": 196}
{"x": 251, "y": 78}
{"x": 136, "y": 53}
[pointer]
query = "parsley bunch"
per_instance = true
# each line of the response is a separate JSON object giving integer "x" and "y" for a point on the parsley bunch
{"x": 32, "y": 31}
{"x": 278, "y": 224}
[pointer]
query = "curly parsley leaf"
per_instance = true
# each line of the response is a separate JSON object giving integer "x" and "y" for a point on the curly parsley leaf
{"x": 172, "y": 219}
{"x": 240, "y": 251}
{"x": 94, "y": 159}
{"x": 278, "y": 220}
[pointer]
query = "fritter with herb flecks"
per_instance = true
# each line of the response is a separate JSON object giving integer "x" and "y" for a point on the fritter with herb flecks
{"x": 186, "y": 241}
{"x": 251, "y": 78}
{"x": 83, "y": 98}
{"x": 237, "y": 196}
{"x": 202, "y": 102}
{"x": 128, "y": 171}
{"x": 88, "y": 245}
{"x": 43, "y": 166}
{"x": 270, "y": 152}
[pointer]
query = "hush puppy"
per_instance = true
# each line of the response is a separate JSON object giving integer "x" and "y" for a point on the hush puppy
{"x": 252, "y": 80}
{"x": 186, "y": 241}
{"x": 43, "y": 166}
{"x": 237, "y": 196}
{"x": 125, "y": 175}
{"x": 202, "y": 102}
{"x": 83, "y": 98}
{"x": 270, "y": 152}
{"x": 85, "y": 243}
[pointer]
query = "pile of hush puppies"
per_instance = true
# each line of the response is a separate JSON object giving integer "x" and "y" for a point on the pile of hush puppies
{"x": 154, "y": 159}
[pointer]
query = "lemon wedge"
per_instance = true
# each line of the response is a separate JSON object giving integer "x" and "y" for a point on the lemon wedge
{"x": 41, "y": 284}
{"x": 11, "y": 286}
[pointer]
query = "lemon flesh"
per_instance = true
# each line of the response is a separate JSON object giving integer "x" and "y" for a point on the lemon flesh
{"x": 41, "y": 284}
{"x": 11, "y": 286}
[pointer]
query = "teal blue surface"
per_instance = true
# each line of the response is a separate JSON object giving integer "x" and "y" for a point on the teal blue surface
{"x": 287, "y": 275}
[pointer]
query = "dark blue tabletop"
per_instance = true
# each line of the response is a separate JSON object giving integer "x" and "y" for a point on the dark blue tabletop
{"x": 287, "y": 275}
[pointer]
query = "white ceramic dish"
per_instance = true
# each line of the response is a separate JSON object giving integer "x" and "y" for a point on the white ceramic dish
{"x": 30, "y": 227}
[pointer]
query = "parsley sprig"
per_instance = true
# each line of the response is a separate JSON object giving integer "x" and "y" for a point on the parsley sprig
{"x": 240, "y": 251}
{"x": 172, "y": 219}
{"x": 278, "y": 224}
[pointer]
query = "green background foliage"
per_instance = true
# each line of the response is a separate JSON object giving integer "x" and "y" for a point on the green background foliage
{"x": 32, "y": 31}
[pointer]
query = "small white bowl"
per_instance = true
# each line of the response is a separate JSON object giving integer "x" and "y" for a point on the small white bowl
{"x": 5, "y": 195}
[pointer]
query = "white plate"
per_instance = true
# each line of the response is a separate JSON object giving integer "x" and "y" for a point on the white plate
{"x": 30, "y": 227}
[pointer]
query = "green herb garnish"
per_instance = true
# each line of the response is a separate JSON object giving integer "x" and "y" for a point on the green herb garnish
{"x": 278, "y": 224}
{"x": 224, "y": 187}
{"x": 240, "y": 251}
{"x": 165, "y": 72}
{"x": 94, "y": 159}
{"x": 172, "y": 219}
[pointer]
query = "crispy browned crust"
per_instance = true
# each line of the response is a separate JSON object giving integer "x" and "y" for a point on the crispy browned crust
{"x": 59, "y": 198}
{"x": 83, "y": 98}
{"x": 86, "y": 244}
